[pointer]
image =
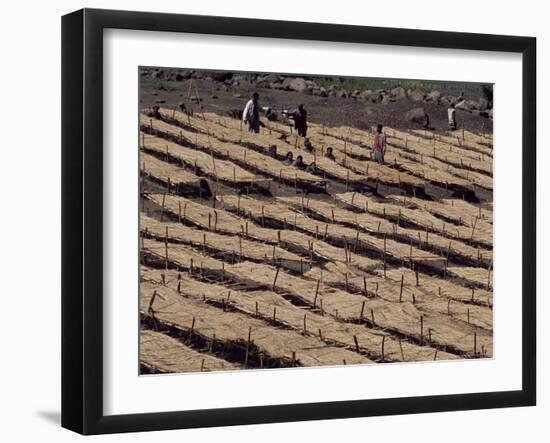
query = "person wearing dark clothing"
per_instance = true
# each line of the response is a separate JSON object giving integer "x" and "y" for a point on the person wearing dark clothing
{"x": 272, "y": 151}
{"x": 299, "y": 162}
{"x": 271, "y": 115}
{"x": 251, "y": 114}
{"x": 329, "y": 154}
{"x": 311, "y": 168}
{"x": 300, "y": 120}
{"x": 307, "y": 145}
{"x": 156, "y": 113}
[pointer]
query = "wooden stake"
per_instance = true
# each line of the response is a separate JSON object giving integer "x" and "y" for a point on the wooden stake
{"x": 247, "y": 346}
{"x": 401, "y": 289}
{"x": 384, "y": 255}
{"x": 162, "y": 212}
{"x": 275, "y": 279}
{"x": 316, "y": 294}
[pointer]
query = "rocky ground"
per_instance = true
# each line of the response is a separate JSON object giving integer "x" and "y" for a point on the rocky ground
{"x": 325, "y": 99}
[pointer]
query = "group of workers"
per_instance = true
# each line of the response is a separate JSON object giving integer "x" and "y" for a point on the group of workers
{"x": 251, "y": 116}
{"x": 298, "y": 162}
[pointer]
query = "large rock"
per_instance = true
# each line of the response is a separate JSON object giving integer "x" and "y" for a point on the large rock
{"x": 416, "y": 115}
{"x": 295, "y": 84}
{"x": 320, "y": 92}
{"x": 183, "y": 75}
{"x": 446, "y": 99}
{"x": 433, "y": 97}
{"x": 416, "y": 95}
{"x": 158, "y": 74}
{"x": 398, "y": 92}
{"x": 374, "y": 97}
{"x": 386, "y": 99}
{"x": 470, "y": 104}
{"x": 365, "y": 93}
{"x": 272, "y": 78}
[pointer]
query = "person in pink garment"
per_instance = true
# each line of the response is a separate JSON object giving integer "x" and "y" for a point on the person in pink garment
{"x": 379, "y": 145}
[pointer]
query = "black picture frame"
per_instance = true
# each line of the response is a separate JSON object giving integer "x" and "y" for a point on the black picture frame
{"x": 82, "y": 218}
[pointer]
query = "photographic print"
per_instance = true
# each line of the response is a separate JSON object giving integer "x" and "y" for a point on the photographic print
{"x": 292, "y": 220}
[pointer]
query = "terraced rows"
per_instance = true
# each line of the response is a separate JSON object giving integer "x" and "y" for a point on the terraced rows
{"x": 250, "y": 262}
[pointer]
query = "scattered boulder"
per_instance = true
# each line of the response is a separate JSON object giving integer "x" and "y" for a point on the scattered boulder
{"x": 160, "y": 101}
{"x": 276, "y": 85}
{"x": 470, "y": 105}
{"x": 319, "y": 92}
{"x": 398, "y": 92}
{"x": 374, "y": 97}
{"x": 158, "y": 74}
{"x": 295, "y": 84}
{"x": 272, "y": 78}
{"x": 365, "y": 93}
{"x": 342, "y": 94}
{"x": 182, "y": 75}
{"x": 416, "y": 95}
{"x": 221, "y": 76}
{"x": 433, "y": 97}
{"x": 386, "y": 99}
{"x": 416, "y": 115}
{"x": 446, "y": 100}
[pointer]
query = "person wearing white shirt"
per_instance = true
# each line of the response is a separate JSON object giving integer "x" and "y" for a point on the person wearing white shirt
{"x": 451, "y": 112}
{"x": 251, "y": 114}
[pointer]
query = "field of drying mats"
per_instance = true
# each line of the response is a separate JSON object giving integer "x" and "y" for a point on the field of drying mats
{"x": 248, "y": 263}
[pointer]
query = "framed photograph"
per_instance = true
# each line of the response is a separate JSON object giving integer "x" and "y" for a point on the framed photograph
{"x": 270, "y": 221}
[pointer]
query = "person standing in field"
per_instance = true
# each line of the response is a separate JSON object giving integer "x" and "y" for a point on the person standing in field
{"x": 451, "y": 112}
{"x": 379, "y": 145}
{"x": 300, "y": 120}
{"x": 251, "y": 114}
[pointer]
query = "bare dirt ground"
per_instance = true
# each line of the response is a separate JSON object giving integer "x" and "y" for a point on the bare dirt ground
{"x": 219, "y": 97}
